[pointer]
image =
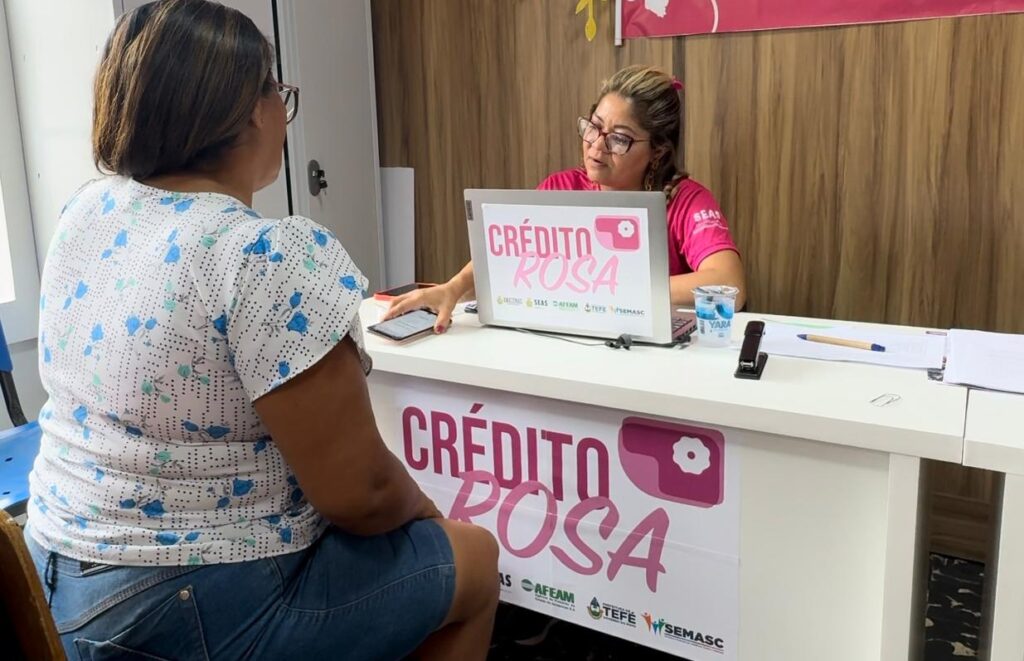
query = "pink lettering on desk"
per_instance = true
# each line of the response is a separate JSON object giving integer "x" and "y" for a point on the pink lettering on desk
{"x": 499, "y": 465}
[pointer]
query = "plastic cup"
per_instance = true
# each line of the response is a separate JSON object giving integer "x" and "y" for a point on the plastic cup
{"x": 715, "y": 306}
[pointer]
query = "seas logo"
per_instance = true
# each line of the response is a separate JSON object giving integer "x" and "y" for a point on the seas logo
{"x": 704, "y": 640}
{"x": 594, "y": 610}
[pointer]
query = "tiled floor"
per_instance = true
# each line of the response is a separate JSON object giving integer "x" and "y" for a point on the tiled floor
{"x": 952, "y": 626}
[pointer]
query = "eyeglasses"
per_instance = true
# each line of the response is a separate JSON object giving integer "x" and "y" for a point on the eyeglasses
{"x": 614, "y": 142}
{"x": 290, "y": 96}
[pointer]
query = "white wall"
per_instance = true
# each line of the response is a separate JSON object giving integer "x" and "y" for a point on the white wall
{"x": 55, "y": 46}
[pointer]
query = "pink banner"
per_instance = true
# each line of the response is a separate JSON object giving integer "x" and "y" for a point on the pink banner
{"x": 664, "y": 18}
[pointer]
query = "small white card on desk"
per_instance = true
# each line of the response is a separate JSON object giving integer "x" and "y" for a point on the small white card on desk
{"x": 986, "y": 360}
{"x": 918, "y": 351}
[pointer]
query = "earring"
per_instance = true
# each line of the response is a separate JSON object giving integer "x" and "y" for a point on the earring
{"x": 649, "y": 178}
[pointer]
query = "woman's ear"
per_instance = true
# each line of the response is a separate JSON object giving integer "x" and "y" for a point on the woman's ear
{"x": 257, "y": 118}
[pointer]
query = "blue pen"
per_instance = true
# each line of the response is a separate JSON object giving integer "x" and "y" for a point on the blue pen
{"x": 840, "y": 342}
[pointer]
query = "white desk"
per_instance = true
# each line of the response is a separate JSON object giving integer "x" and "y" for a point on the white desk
{"x": 832, "y": 559}
{"x": 994, "y": 440}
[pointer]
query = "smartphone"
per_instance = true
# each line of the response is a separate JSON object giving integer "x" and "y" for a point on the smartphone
{"x": 405, "y": 327}
{"x": 389, "y": 294}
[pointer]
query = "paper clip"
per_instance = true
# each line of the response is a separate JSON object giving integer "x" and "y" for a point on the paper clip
{"x": 886, "y": 399}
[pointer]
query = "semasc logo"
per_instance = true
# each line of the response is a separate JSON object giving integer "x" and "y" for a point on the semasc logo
{"x": 550, "y": 595}
{"x": 660, "y": 627}
{"x": 611, "y": 613}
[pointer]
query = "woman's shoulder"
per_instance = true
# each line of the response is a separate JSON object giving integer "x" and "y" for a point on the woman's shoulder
{"x": 246, "y": 234}
{"x": 691, "y": 195}
{"x": 572, "y": 179}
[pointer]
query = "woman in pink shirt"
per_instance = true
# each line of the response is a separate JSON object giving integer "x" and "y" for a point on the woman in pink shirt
{"x": 630, "y": 142}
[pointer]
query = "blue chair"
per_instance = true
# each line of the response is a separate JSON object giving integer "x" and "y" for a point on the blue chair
{"x": 19, "y": 445}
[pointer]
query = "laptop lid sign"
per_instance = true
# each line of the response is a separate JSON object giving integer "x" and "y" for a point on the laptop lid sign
{"x": 585, "y": 269}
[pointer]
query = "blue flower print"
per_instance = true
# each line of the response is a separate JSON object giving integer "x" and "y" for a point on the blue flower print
{"x": 120, "y": 241}
{"x": 283, "y": 368}
{"x": 240, "y": 488}
{"x": 180, "y": 202}
{"x": 260, "y": 445}
{"x": 140, "y": 329}
{"x": 133, "y": 324}
{"x": 95, "y": 337}
{"x": 320, "y": 238}
{"x": 173, "y": 250}
{"x": 349, "y": 282}
{"x": 286, "y": 535}
{"x": 167, "y": 538}
{"x": 128, "y": 504}
{"x": 154, "y": 509}
{"x": 192, "y": 536}
{"x": 296, "y": 493}
{"x": 214, "y": 432}
{"x": 247, "y": 211}
{"x": 261, "y": 246}
{"x": 299, "y": 323}
{"x": 276, "y": 258}
{"x": 108, "y": 202}
{"x": 296, "y": 300}
{"x": 81, "y": 289}
{"x": 220, "y": 324}
{"x": 80, "y": 415}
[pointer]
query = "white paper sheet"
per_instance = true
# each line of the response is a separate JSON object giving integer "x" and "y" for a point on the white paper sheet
{"x": 919, "y": 351}
{"x": 986, "y": 360}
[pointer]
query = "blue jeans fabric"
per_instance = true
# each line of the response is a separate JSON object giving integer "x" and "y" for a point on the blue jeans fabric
{"x": 345, "y": 597}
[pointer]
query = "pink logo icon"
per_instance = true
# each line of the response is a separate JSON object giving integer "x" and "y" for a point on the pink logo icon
{"x": 621, "y": 233}
{"x": 675, "y": 462}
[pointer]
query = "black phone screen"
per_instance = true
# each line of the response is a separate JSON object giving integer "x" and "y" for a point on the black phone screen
{"x": 406, "y": 325}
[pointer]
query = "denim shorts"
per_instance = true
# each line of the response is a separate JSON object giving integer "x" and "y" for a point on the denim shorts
{"x": 344, "y": 597}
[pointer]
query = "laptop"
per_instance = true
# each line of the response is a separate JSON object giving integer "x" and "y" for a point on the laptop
{"x": 587, "y": 263}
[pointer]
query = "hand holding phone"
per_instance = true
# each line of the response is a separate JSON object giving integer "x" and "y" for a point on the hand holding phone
{"x": 406, "y": 326}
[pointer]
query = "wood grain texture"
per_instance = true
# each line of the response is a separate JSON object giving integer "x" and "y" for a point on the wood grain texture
{"x": 871, "y": 173}
{"x": 486, "y": 94}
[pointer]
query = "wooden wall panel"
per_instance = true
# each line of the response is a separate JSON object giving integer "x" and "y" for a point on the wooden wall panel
{"x": 485, "y": 94}
{"x": 871, "y": 173}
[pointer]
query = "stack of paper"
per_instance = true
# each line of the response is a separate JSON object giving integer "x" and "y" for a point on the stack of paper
{"x": 917, "y": 350}
{"x": 985, "y": 360}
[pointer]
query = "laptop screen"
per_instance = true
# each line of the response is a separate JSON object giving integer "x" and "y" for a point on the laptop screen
{"x": 584, "y": 269}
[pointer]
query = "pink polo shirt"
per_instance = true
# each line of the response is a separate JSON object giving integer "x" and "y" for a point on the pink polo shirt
{"x": 696, "y": 226}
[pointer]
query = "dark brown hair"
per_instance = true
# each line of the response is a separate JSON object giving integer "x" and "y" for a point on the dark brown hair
{"x": 657, "y": 106}
{"x": 178, "y": 82}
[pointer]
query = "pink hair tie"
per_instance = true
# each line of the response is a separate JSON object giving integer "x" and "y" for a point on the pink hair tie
{"x": 676, "y": 84}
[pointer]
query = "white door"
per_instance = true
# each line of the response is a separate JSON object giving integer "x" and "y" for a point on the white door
{"x": 325, "y": 47}
{"x": 327, "y": 50}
